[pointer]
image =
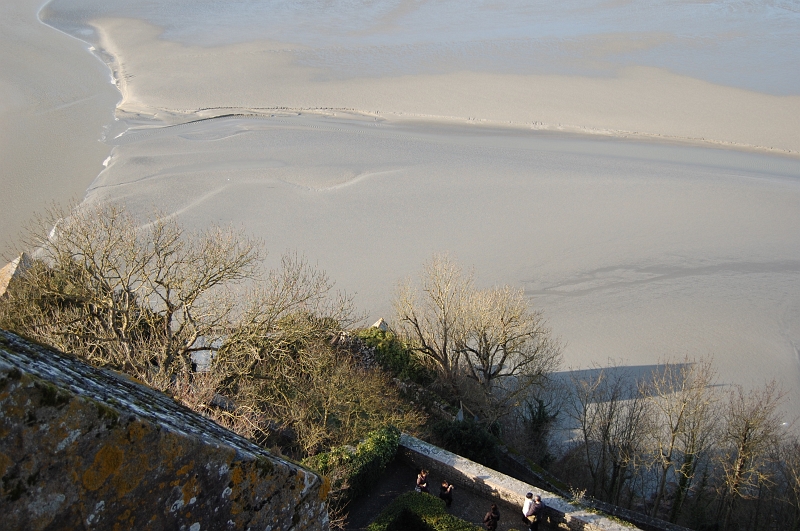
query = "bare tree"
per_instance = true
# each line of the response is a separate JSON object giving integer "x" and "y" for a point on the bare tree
{"x": 751, "y": 428}
{"x": 506, "y": 348}
{"x": 612, "y": 418}
{"x": 683, "y": 401}
{"x": 141, "y": 299}
{"x": 147, "y": 299}
{"x": 788, "y": 458}
{"x": 433, "y": 322}
{"x": 487, "y": 345}
{"x": 293, "y": 306}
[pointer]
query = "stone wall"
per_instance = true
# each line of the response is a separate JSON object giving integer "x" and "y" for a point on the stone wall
{"x": 476, "y": 477}
{"x": 84, "y": 448}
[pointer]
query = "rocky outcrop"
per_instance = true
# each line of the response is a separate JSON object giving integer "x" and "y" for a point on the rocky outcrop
{"x": 85, "y": 448}
{"x": 363, "y": 354}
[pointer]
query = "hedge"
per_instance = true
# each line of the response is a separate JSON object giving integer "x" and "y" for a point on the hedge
{"x": 418, "y": 511}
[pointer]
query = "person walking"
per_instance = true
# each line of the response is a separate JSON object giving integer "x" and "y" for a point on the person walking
{"x": 527, "y": 509}
{"x": 537, "y": 513}
{"x": 446, "y": 492}
{"x": 491, "y": 518}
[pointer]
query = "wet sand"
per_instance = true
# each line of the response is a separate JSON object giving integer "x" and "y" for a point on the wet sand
{"x": 55, "y": 100}
{"x": 175, "y": 83}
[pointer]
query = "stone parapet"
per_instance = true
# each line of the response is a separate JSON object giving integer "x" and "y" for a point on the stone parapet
{"x": 86, "y": 448}
{"x": 476, "y": 477}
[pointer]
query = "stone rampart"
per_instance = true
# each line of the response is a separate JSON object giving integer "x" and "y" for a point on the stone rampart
{"x": 85, "y": 448}
{"x": 474, "y": 476}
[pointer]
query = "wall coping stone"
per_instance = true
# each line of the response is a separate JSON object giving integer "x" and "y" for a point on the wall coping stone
{"x": 119, "y": 391}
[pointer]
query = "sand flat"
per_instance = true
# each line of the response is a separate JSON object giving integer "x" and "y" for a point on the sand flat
{"x": 640, "y": 177}
{"x": 55, "y": 100}
{"x": 636, "y": 250}
{"x": 174, "y": 81}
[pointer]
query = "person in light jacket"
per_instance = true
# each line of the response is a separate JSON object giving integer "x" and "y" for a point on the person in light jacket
{"x": 527, "y": 509}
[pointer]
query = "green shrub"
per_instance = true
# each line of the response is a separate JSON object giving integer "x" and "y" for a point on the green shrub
{"x": 418, "y": 511}
{"x": 408, "y": 520}
{"x": 468, "y": 439}
{"x": 353, "y": 471}
{"x": 394, "y": 357}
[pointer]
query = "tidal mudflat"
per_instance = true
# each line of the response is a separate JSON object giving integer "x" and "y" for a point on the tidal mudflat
{"x": 635, "y": 166}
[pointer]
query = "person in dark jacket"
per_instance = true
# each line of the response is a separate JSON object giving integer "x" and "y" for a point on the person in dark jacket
{"x": 491, "y": 518}
{"x": 537, "y": 513}
{"x": 422, "y": 481}
{"x": 446, "y": 492}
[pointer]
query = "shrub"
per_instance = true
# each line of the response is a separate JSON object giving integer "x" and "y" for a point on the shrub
{"x": 468, "y": 439}
{"x": 354, "y": 471}
{"x": 394, "y": 357}
{"x": 408, "y": 520}
{"x": 418, "y": 511}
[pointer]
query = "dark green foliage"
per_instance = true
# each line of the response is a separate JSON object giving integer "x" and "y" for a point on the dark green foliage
{"x": 355, "y": 472}
{"x": 414, "y": 511}
{"x": 538, "y": 423}
{"x": 394, "y": 357}
{"x": 407, "y": 520}
{"x": 468, "y": 439}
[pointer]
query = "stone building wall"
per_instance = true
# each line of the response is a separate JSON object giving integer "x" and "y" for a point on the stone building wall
{"x": 85, "y": 448}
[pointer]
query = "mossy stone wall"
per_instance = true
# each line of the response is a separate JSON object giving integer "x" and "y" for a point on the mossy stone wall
{"x": 85, "y": 448}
